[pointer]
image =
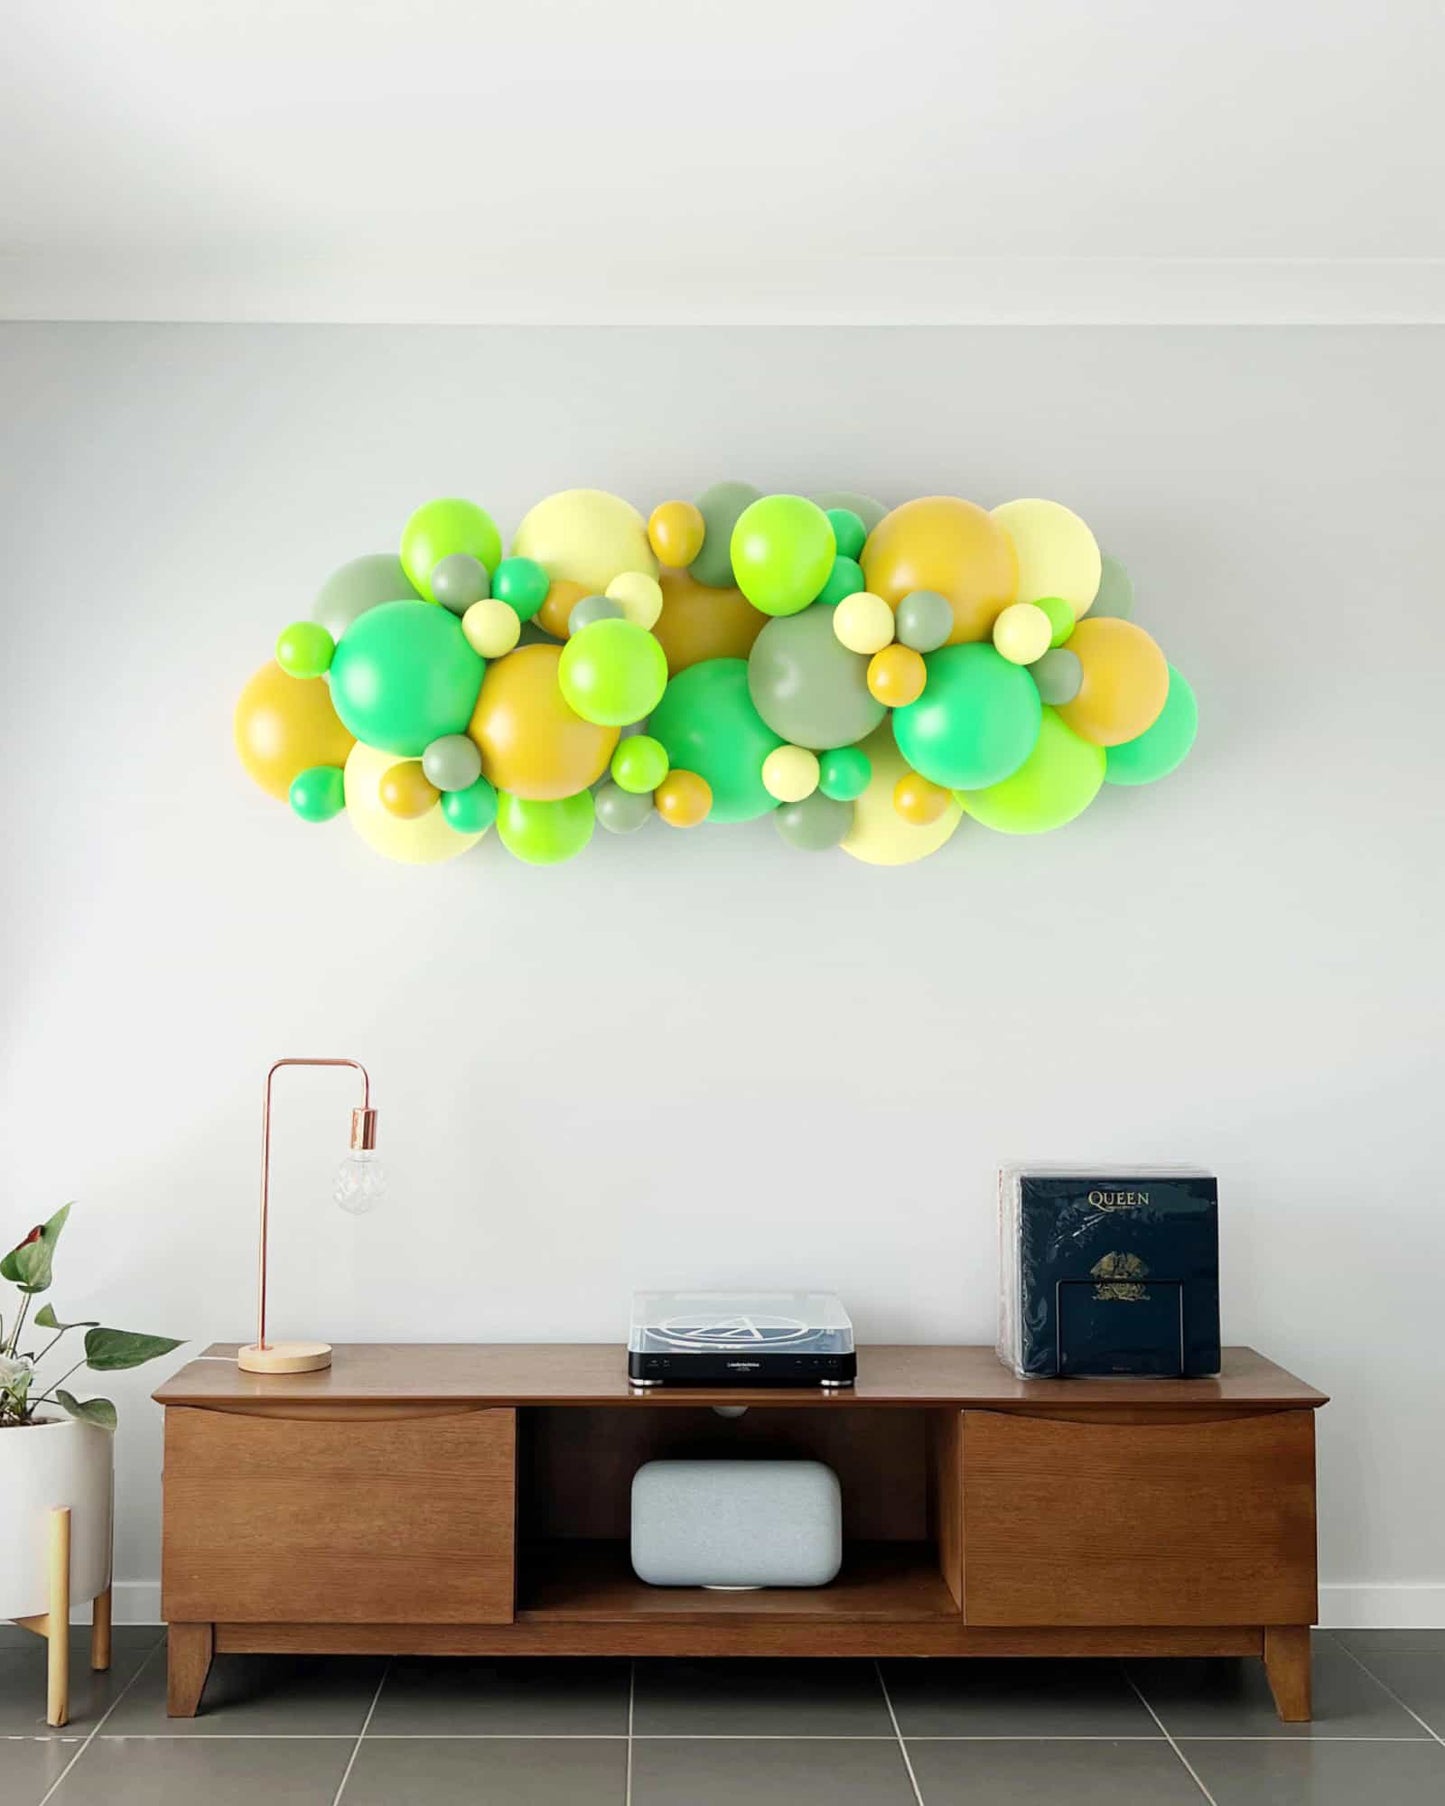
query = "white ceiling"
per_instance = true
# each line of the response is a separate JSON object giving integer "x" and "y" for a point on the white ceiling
{"x": 760, "y": 159}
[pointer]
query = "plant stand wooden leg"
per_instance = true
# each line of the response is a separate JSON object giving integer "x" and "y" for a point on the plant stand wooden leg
{"x": 189, "y": 1648}
{"x": 1287, "y": 1665}
{"x": 100, "y": 1631}
{"x": 57, "y": 1628}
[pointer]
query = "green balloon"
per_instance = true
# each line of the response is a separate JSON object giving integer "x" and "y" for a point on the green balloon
{"x": 613, "y": 672}
{"x": 1116, "y": 592}
{"x": 1061, "y": 618}
{"x": 848, "y": 530}
{"x": 816, "y": 823}
{"x": 621, "y": 811}
{"x": 976, "y": 721}
{"x": 363, "y": 583}
{"x": 720, "y": 507}
{"x": 403, "y": 675}
{"x": 707, "y": 723}
{"x": 459, "y": 580}
{"x": 639, "y": 765}
{"x": 1156, "y": 752}
{"x": 808, "y": 686}
{"x": 470, "y": 811}
{"x": 844, "y": 773}
{"x": 318, "y": 793}
{"x": 522, "y": 584}
{"x": 924, "y": 620}
{"x": 438, "y": 530}
{"x": 782, "y": 552}
{"x": 845, "y": 579}
{"x": 1059, "y": 675}
{"x": 864, "y": 506}
{"x": 545, "y": 833}
{"x": 304, "y": 649}
{"x": 1056, "y": 782}
{"x": 452, "y": 763}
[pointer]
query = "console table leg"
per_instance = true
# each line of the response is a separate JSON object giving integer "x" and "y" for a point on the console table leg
{"x": 1287, "y": 1664}
{"x": 189, "y": 1648}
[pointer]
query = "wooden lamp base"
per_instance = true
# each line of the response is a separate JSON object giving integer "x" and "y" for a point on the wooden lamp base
{"x": 285, "y": 1357}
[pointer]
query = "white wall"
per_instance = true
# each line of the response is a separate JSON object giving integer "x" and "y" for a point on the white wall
{"x": 706, "y": 1059}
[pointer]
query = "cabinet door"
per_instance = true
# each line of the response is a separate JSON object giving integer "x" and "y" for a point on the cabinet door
{"x": 398, "y": 1518}
{"x": 1137, "y": 1522}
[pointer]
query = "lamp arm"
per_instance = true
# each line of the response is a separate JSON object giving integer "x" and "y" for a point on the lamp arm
{"x": 356, "y": 1066}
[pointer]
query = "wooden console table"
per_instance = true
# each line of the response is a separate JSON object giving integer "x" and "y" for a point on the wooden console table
{"x": 474, "y": 1500}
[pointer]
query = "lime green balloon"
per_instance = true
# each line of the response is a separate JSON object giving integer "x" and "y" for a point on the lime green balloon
{"x": 845, "y": 579}
{"x": 1061, "y": 618}
{"x": 782, "y": 553}
{"x": 403, "y": 675}
{"x": 473, "y": 810}
{"x": 639, "y": 765}
{"x": 1156, "y": 752}
{"x": 707, "y": 723}
{"x": 844, "y": 773}
{"x": 318, "y": 793}
{"x": 1058, "y": 781}
{"x": 848, "y": 530}
{"x": 976, "y": 721}
{"x": 612, "y": 672}
{"x": 545, "y": 833}
{"x": 522, "y": 584}
{"x": 439, "y": 529}
{"x": 304, "y": 649}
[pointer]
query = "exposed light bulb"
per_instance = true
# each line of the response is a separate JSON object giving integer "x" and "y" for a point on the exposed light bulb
{"x": 360, "y": 1182}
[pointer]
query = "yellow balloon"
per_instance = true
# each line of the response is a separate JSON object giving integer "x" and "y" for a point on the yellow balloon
{"x": 285, "y": 725}
{"x": 585, "y": 536}
{"x": 407, "y": 792}
{"x": 944, "y": 543}
{"x": 1057, "y": 554}
{"x": 1022, "y": 633}
{"x": 676, "y": 531}
{"x": 699, "y": 623}
{"x": 1125, "y": 682}
{"x": 639, "y": 595}
{"x": 880, "y": 835}
{"x": 863, "y": 622}
{"x": 425, "y": 840}
{"x": 492, "y": 629}
{"x": 790, "y": 773}
{"x": 531, "y": 741}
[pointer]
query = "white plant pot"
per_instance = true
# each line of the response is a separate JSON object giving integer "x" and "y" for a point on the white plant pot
{"x": 55, "y": 1461}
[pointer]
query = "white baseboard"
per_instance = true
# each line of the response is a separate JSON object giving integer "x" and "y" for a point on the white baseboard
{"x": 1405, "y": 1607}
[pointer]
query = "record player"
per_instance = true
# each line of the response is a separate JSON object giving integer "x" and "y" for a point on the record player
{"x": 740, "y": 1339}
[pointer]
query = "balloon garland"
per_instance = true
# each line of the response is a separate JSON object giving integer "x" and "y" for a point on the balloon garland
{"x": 867, "y": 677}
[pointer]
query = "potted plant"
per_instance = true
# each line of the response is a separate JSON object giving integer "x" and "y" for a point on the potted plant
{"x": 55, "y": 1458}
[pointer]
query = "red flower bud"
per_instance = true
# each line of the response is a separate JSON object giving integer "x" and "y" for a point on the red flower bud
{"x": 34, "y": 1235}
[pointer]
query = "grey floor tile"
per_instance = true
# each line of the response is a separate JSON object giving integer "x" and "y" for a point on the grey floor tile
{"x": 1392, "y": 1642}
{"x": 738, "y": 1698}
{"x": 1419, "y": 1680}
{"x": 122, "y": 1636}
{"x": 1278, "y": 1772}
{"x": 534, "y": 1697}
{"x": 1229, "y": 1697}
{"x": 28, "y": 1766}
{"x": 258, "y": 1695}
{"x": 464, "y": 1771}
{"x": 976, "y": 1697}
{"x": 1051, "y": 1774}
{"x": 769, "y": 1773}
{"x": 195, "y": 1771}
{"x": 23, "y": 1684}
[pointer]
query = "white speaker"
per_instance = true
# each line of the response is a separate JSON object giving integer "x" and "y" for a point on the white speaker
{"x": 736, "y": 1524}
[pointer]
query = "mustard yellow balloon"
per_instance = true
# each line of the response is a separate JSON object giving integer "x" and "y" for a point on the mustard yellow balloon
{"x": 1125, "y": 682}
{"x": 790, "y": 773}
{"x": 427, "y": 839}
{"x": 533, "y": 743}
{"x": 1057, "y": 554}
{"x": 880, "y": 835}
{"x": 676, "y": 531}
{"x": 1022, "y": 633}
{"x": 286, "y": 725}
{"x": 639, "y": 596}
{"x": 943, "y": 543}
{"x": 491, "y": 628}
{"x": 863, "y": 622}
{"x": 585, "y": 536}
{"x": 698, "y": 622}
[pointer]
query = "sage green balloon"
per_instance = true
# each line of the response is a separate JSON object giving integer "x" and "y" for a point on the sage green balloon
{"x": 816, "y": 823}
{"x": 720, "y": 507}
{"x": 470, "y": 811}
{"x": 460, "y": 580}
{"x": 452, "y": 763}
{"x": 807, "y": 686}
{"x": 1059, "y": 675}
{"x": 621, "y": 811}
{"x": 868, "y": 511}
{"x": 588, "y": 609}
{"x": 364, "y": 583}
{"x": 923, "y": 620}
{"x": 976, "y": 721}
{"x": 318, "y": 793}
{"x": 1156, "y": 752}
{"x": 541, "y": 833}
{"x": 304, "y": 649}
{"x": 1116, "y": 591}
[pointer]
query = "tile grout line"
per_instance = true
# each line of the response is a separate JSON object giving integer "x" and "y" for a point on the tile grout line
{"x": 140, "y": 1670}
{"x": 1168, "y": 1734}
{"x": 902, "y": 1746}
{"x": 631, "y": 1701}
{"x": 356, "y": 1747}
{"x": 1391, "y": 1691}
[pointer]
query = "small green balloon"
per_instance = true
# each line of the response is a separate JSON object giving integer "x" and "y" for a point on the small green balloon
{"x": 437, "y": 530}
{"x": 782, "y": 552}
{"x": 1061, "y": 618}
{"x": 588, "y": 609}
{"x": 1058, "y": 781}
{"x": 452, "y": 763}
{"x": 612, "y": 672}
{"x": 522, "y": 584}
{"x": 304, "y": 649}
{"x": 1116, "y": 591}
{"x": 639, "y": 765}
{"x": 707, "y": 723}
{"x": 363, "y": 583}
{"x": 318, "y": 793}
{"x": 844, "y": 773}
{"x": 845, "y": 579}
{"x": 470, "y": 811}
{"x": 403, "y": 675}
{"x": 1059, "y": 675}
{"x": 868, "y": 511}
{"x": 848, "y": 531}
{"x": 816, "y": 823}
{"x": 976, "y": 721}
{"x": 923, "y": 620}
{"x": 720, "y": 507}
{"x": 460, "y": 580}
{"x": 1156, "y": 752}
{"x": 543, "y": 833}
{"x": 621, "y": 811}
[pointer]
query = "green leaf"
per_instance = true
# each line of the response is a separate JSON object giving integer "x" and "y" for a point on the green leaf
{"x": 89, "y": 1410}
{"x": 28, "y": 1264}
{"x": 109, "y": 1350}
{"x": 45, "y": 1318}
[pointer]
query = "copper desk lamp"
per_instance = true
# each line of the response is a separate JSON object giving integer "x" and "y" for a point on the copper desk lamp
{"x": 359, "y": 1184}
